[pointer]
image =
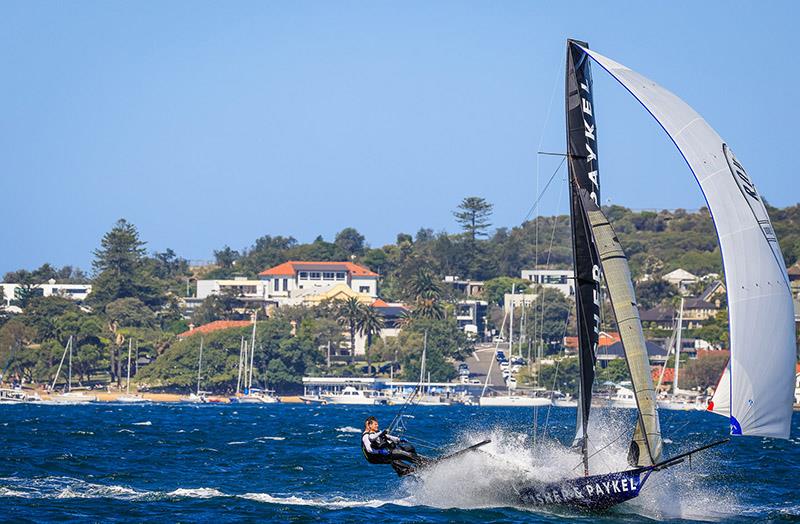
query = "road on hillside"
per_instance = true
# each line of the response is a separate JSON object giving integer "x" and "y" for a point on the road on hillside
{"x": 479, "y": 362}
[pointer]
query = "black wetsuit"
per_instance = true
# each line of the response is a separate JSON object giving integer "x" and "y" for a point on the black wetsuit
{"x": 382, "y": 448}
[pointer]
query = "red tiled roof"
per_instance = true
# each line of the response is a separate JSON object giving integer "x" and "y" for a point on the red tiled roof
{"x": 293, "y": 266}
{"x": 669, "y": 375}
{"x": 216, "y": 326}
{"x": 606, "y": 339}
{"x": 703, "y": 353}
{"x": 380, "y": 303}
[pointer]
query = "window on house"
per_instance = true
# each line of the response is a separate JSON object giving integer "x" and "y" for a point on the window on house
{"x": 315, "y": 275}
{"x": 304, "y": 275}
{"x": 327, "y": 275}
{"x": 340, "y": 275}
{"x": 286, "y": 284}
{"x": 275, "y": 285}
{"x": 363, "y": 289}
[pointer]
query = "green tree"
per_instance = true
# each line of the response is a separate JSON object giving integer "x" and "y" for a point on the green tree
{"x": 652, "y": 293}
{"x": 348, "y": 316}
{"x": 350, "y": 242}
{"x": 27, "y": 291}
{"x": 370, "y": 324}
{"x": 703, "y": 373}
{"x": 495, "y": 289}
{"x": 226, "y": 257}
{"x": 473, "y": 216}
{"x": 121, "y": 270}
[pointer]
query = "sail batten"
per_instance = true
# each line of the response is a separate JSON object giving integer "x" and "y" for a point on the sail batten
{"x": 761, "y": 312}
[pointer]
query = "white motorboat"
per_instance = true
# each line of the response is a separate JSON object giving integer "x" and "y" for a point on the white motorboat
{"x": 351, "y": 395}
{"x": 623, "y": 398}
{"x": 17, "y": 396}
{"x": 514, "y": 401}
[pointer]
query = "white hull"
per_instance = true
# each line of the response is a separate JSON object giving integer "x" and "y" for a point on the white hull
{"x": 673, "y": 405}
{"x": 508, "y": 401}
{"x": 354, "y": 401}
{"x": 255, "y": 399}
{"x": 71, "y": 398}
{"x": 131, "y": 399}
{"x": 565, "y": 403}
{"x": 17, "y": 396}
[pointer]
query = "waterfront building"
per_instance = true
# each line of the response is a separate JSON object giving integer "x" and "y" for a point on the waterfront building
{"x": 471, "y": 317}
{"x": 295, "y": 282}
{"x": 76, "y": 292}
{"x": 560, "y": 279}
{"x": 469, "y": 288}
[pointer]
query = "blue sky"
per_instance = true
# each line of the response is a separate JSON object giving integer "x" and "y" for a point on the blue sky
{"x": 213, "y": 123}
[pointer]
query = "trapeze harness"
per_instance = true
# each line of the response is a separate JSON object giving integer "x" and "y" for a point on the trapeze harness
{"x": 377, "y": 446}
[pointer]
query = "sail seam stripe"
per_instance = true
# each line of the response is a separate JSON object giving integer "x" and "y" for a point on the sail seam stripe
{"x": 695, "y": 119}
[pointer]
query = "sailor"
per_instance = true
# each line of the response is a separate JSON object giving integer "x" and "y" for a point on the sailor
{"x": 379, "y": 447}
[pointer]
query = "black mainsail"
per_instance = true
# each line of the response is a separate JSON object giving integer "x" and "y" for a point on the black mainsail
{"x": 583, "y": 174}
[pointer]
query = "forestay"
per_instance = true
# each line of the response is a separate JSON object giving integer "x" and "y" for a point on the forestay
{"x": 760, "y": 306}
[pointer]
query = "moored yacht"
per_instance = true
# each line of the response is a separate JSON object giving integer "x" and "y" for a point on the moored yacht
{"x": 351, "y": 395}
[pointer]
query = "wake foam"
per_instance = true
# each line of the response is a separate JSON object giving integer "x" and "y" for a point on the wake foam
{"x": 336, "y": 503}
{"x": 490, "y": 476}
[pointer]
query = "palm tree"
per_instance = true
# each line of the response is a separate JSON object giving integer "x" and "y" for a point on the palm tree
{"x": 425, "y": 285}
{"x": 370, "y": 323}
{"x": 427, "y": 294}
{"x": 429, "y": 308}
{"x": 347, "y": 316}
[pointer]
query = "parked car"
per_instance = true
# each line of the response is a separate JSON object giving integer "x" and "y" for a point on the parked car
{"x": 504, "y": 364}
{"x": 518, "y": 360}
{"x": 511, "y": 383}
{"x": 500, "y": 356}
{"x": 506, "y": 374}
{"x": 474, "y": 381}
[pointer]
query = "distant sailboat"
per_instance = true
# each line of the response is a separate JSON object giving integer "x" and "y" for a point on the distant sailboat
{"x": 68, "y": 396}
{"x": 127, "y": 397}
{"x": 245, "y": 392}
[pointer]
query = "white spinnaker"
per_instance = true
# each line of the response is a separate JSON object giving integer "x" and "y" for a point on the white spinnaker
{"x": 721, "y": 401}
{"x": 760, "y": 308}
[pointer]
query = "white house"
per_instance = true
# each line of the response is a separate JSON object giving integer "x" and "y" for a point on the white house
{"x": 77, "y": 292}
{"x": 560, "y": 279}
{"x": 240, "y": 287}
{"x": 294, "y": 282}
{"x": 681, "y": 279}
{"x": 518, "y": 300}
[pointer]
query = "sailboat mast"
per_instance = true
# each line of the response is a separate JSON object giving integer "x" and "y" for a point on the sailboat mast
{"x": 583, "y": 174}
{"x": 60, "y": 364}
{"x": 678, "y": 343}
{"x": 69, "y": 373}
{"x": 241, "y": 358}
{"x": 199, "y": 365}
{"x": 252, "y": 349}
{"x": 511, "y": 324}
{"x": 130, "y": 348}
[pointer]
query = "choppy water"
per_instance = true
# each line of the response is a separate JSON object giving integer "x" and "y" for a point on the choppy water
{"x": 172, "y": 463}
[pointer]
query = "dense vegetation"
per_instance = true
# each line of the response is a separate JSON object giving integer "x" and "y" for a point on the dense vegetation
{"x": 136, "y": 296}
